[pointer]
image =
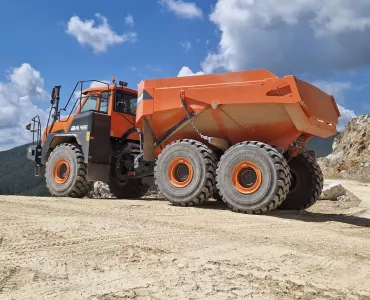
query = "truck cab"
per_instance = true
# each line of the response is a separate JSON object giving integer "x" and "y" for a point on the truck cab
{"x": 99, "y": 128}
{"x": 117, "y": 102}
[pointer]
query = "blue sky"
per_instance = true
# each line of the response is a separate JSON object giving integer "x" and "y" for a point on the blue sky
{"x": 35, "y": 32}
{"x": 47, "y": 43}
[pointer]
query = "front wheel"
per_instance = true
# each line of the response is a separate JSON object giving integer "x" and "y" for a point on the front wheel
{"x": 307, "y": 183}
{"x": 66, "y": 172}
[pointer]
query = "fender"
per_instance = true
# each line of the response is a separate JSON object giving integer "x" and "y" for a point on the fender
{"x": 81, "y": 138}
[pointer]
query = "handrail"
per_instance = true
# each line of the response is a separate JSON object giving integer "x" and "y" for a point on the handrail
{"x": 78, "y": 100}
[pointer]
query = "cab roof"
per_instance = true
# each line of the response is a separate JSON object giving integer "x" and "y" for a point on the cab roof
{"x": 111, "y": 87}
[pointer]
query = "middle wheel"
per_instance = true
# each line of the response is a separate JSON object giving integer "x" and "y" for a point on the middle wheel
{"x": 253, "y": 177}
{"x": 185, "y": 172}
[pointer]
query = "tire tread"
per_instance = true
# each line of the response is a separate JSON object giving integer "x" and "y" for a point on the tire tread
{"x": 211, "y": 166}
{"x": 81, "y": 186}
{"x": 283, "y": 177}
{"x": 317, "y": 184}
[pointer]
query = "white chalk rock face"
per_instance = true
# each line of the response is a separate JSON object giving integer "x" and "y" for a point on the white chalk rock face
{"x": 333, "y": 192}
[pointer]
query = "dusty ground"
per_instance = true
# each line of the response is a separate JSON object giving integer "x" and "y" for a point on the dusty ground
{"x": 109, "y": 249}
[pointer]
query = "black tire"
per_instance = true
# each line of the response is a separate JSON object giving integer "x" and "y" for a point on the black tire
{"x": 133, "y": 189}
{"x": 198, "y": 187}
{"x": 123, "y": 187}
{"x": 307, "y": 183}
{"x": 269, "y": 177}
{"x": 76, "y": 184}
{"x": 216, "y": 195}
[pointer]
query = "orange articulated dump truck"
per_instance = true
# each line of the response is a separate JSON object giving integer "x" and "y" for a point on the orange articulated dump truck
{"x": 239, "y": 137}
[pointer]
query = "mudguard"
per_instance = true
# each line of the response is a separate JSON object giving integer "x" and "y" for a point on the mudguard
{"x": 82, "y": 138}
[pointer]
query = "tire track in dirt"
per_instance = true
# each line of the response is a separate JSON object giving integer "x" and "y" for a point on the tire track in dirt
{"x": 111, "y": 250}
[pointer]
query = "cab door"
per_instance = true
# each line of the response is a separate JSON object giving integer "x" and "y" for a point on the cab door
{"x": 100, "y": 145}
{"x": 123, "y": 113}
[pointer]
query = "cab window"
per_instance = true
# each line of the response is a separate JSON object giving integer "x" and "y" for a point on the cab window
{"x": 125, "y": 103}
{"x": 90, "y": 103}
{"x": 104, "y": 102}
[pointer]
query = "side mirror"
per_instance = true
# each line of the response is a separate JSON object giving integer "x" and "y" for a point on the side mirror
{"x": 55, "y": 94}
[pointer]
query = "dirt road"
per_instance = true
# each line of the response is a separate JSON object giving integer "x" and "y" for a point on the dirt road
{"x": 108, "y": 249}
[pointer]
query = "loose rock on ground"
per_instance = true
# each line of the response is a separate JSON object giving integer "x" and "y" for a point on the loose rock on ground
{"x": 333, "y": 192}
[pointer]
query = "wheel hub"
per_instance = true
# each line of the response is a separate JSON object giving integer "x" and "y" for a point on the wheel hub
{"x": 180, "y": 172}
{"x": 61, "y": 171}
{"x": 246, "y": 177}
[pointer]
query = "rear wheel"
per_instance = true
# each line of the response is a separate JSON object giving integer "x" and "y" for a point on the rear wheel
{"x": 122, "y": 187}
{"x": 132, "y": 189}
{"x": 307, "y": 183}
{"x": 66, "y": 172}
{"x": 217, "y": 196}
{"x": 185, "y": 172}
{"x": 253, "y": 177}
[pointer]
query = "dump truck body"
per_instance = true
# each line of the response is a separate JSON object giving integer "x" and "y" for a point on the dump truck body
{"x": 238, "y": 106}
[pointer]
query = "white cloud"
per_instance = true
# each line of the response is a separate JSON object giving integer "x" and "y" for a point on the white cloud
{"x": 98, "y": 37}
{"x": 28, "y": 80}
{"x": 23, "y": 85}
{"x": 183, "y": 9}
{"x": 99, "y": 83}
{"x": 291, "y": 36}
{"x": 129, "y": 20}
{"x": 186, "y": 45}
{"x": 346, "y": 116}
{"x": 186, "y": 71}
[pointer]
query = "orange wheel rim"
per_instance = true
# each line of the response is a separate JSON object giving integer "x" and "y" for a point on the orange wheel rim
{"x": 295, "y": 181}
{"x": 246, "y": 177}
{"x": 180, "y": 172}
{"x": 61, "y": 171}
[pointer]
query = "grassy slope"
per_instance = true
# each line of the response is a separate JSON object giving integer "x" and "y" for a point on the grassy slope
{"x": 17, "y": 174}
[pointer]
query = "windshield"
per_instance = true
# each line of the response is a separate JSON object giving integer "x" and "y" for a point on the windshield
{"x": 125, "y": 103}
{"x": 90, "y": 103}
